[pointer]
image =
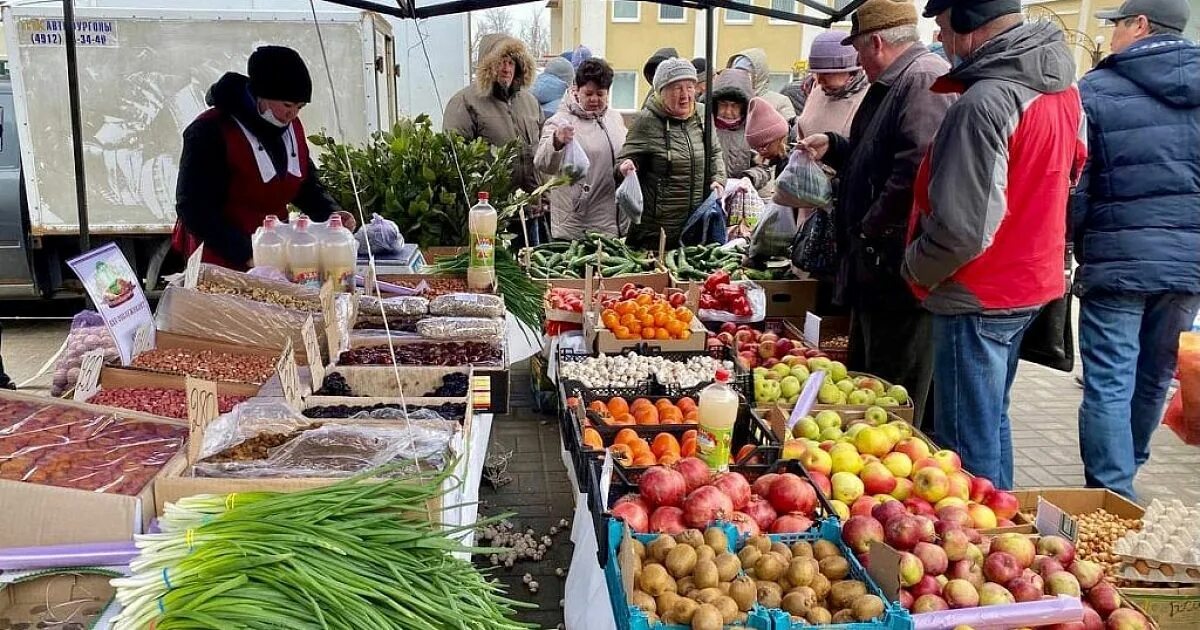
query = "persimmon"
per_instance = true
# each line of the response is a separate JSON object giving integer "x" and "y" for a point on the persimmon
{"x": 592, "y": 439}
{"x": 624, "y": 420}
{"x": 685, "y": 404}
{"x": 621, "y": 454}
{"x": 626, "y": 436}
{"x": 688, "y": 449}
{"x": 646, "y": 415}
{"x": 617, "y": 406}
{"x": 668, "y": 459}
{"x": 644, "y": 459}
{"x": 598, "y": 407}
{"x": 663, "y": 443}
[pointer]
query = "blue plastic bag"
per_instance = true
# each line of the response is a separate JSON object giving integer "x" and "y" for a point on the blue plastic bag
{"x": 706, "y": 225}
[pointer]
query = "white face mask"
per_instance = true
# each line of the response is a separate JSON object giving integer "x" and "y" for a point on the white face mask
{"x": 269, "y": 116}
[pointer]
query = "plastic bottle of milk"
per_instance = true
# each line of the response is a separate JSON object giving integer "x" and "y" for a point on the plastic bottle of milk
{"x": 270, "y": 248}
{"x": 718, "y": 413}
{"x": 339, "y": 254}
{"x": 304, "y": 256}
{"x": 481, "y": 222}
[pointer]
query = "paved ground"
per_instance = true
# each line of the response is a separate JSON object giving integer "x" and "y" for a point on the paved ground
{"x": 1044, "y": 407}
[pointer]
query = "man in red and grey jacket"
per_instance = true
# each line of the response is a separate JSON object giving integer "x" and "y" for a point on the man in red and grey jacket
{"x": 988, "y": 230}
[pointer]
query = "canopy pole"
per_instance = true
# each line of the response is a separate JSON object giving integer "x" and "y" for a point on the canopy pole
{"x": 85, "y": 239}
{"x": 708, "y": 103}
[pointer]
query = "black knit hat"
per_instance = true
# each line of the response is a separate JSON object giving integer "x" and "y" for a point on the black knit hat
{"x": 278, "y": 73}
{"x": 968, "y": 15}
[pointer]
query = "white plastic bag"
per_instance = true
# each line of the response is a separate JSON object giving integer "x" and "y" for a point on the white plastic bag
{"x": 575, "y": 163}
{"x": 629, "y": 198}
{"x": 773, "y": 235}
{"x": 803, "y": 184}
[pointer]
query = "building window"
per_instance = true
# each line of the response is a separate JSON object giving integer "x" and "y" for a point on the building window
{"x": 670, "y": 13}
{"x": 737, "y": 17}
{"x": 624, "y": 90}
{"x": 626, "y": 11}
{"x": 780, "y": 79}
{"x": 783, "y": 5}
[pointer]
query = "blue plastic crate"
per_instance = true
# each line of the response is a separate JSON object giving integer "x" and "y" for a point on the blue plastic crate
{"x": 894, "y": 616}
{"x": 632, "y": 618}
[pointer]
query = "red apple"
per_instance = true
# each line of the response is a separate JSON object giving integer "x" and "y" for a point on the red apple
{"x": 981, "y": 489}
{"x": 1003, "y": 504}
{"x": 1063, "y": 583}
{"x": 933, "y": 557}
{"x": 916, "y": 449}
{"x": 905, "y": 598}
{"x": 1104, "y": 598}
{"x": 955, "y": 543}
{"x": 966, "y": 570}
{"x": 863, "y": 506}
{"x": 923, "y": 463}
{"x": 982, "y": 517}
{"x": 1087, "y": 572}
{"x": 920, "y": 506}
{"x": 784, "y": 346}
{"x": 821, "y": 481}
{"x": 1023, "y": 590}
{"x": 903, "y": 489}
{"x": 1033, "y": 578}
{"x": 948, "y": 460}
{"x": 931, "y": 484}
{"x": 928, "y": 585}
{"x": 1092, "y": 619}
{"x": 1127, "y": 619}
{"x": 1046, "y": 566}
{"x": 960, "y": 485}
{"x": 884, "y": 512}
{"x": 960, "y": 594}
{"x": 1017, "y": 546}
{"x": 929, "y": 603}
{"x": 1001, "y": 567}
{"x": 877, "y": 478}
{"x": 728, "y": 327}
{"x": 903, "y": 532}
{"x": 749, "y": 359}
{"x": 910, "y": 569}
{"x": 993, "y": 594}
{"x": 1058, "y": 548}
{"x": 860, "y": 531}
{"x": 927, "y": 527}
{"x": 955, "y": 514}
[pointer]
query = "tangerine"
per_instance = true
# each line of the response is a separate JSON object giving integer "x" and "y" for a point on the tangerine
{"x": 675, "y": 327}
{"x": 684, "y": 334}
{"x": 683, "y": 314}
{"x": 661, "y": 319}
{"x": 661, "y": 334}
{"x": 648, "y": 332}
{"x": 644, "y": 300}
{"x": 621, "y": 332}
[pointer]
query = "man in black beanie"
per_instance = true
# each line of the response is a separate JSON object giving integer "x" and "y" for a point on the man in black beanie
{"x": 987, "y": 234}
{"x": 247, "y": 158}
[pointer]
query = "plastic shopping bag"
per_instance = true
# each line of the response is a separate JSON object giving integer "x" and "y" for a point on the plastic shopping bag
{"x": 629, "y": 198}
{"x": 575, "y": 162}
{"x": 772, "y": 237}
{"x": 803, "y": 184}
{"x": 1183, "y": 412}
{"x": 815, "y": 247}
{"x": 382, "y": 234}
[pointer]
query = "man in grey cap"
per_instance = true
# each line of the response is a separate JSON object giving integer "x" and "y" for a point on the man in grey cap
{"x": 1136, "y": 226}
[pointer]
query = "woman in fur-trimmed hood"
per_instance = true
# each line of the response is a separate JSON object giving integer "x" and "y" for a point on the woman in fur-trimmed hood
{"x": 498, "y": 107}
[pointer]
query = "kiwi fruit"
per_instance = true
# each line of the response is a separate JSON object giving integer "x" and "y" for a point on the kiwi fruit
{"x": 705, "y": 575}
{"x": 802, "y": 549}
{"x": 715, "y": 537}
{"x": 770, "y": 567}
{"x": 728, "y": 608}
{"x": 769, "y": 594}
{"x": 783, "y": 550}
{"x": 654, "y": 580}
{"x": 659, "y": 548}
{"x": 818, "y": 616}
{"x": 744, "y": 592}
{"x": 844, "y": 592}
{"x": 704, "y": 552}
{"x": 643, "y": 601}
{"x": 707, "y": 617}
{"x": 799, "y": 572}
{"x": 728, "y": 566}
{"x": 691, "y": 537}
{"x": 835, "y": 568}
{"x": 681, "y": 560}
{"x": 867, "y": 607}
{"x": 823, "y": 549}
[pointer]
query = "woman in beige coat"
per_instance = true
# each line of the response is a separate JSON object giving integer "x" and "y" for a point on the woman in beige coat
{"x": 590, "y": 204}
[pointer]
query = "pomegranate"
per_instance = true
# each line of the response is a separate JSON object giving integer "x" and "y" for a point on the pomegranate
{"x": 763, "y": 484}
{"x": 791, "y": 523}
{"x": 745, "y": 525}
{"x": 634, "y": 513}
{"x": 735, "y": 486}
{"x": 705, "y": 505}
{"x": 660, "y": 485}
{"x": 761, "y": 511}
{"x": 790, "y": 493}
{"x": 667, "y": 520}
{"x": 695, "y": 472}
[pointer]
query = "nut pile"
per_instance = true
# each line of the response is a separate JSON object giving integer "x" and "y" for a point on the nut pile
{"x": 169, "y": 403}
{"x": 840, "y": 342}
{"x": 267, "y": 296}
{"x": 437, "y": 286}
{"x": 208, "y": 364}
{"x": 259, "y": 446}
{"x": 1096, "y": 534}
{"x": 445, "y": 353}
{"x": 72, "y": 448}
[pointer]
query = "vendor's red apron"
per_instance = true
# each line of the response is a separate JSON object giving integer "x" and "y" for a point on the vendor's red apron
{"x": 249, "y": 200}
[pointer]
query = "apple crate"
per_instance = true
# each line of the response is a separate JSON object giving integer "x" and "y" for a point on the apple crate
{"x": 894, "y": 616}
{"x": 618, "y": 574}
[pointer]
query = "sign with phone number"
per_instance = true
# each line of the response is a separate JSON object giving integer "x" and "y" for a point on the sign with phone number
{"x": 52, "y": 32}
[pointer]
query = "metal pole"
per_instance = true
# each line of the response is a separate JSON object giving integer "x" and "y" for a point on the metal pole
{"x": 85, "y": 239}
{"x": 708, "y": 103}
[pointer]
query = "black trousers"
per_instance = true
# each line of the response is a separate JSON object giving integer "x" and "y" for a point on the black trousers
{"x": 4, "y": 380}
{"x": 897, "y": 346}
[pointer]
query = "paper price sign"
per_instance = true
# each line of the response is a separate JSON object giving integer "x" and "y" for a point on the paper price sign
{"x": 289, "y": 381}
{"x": 333, "y": 336}
{"x": 143, "y": 339}
{"x": 201, "y": 410}
{"x": 312, "y": 349}
{"x": 89, "y": 375}
{"x": 191, "y": 273}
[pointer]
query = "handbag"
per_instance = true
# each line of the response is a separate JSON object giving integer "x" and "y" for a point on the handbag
{"x": 814, "y": 248}
{"x": 1050, "y": 338}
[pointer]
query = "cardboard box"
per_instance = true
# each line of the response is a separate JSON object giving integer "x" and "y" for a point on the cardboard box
{"x": 172, "y": 341}
{"x": 1170, "y": 608}
{"x": 790, "y": 298}
{"x": 600, "y": 339}
{"x": 45, "y": 600}
{"x": 415, "y": 380}
{"x": 657, "y": 280}
{"x": 119, "y": 377}
{"x": 1067, "y": 503}
{"x": 33, "y": 514}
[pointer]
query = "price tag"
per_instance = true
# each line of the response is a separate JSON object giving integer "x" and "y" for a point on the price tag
{"x": 1051, "y": 520}
{"x": 333, "y": 337}
{"x": 327, "y": 293}
{"x": 312, "y": 349}
{"x": 89, "y": 375}
{"x": 191, "y": 273}
{"x": 289, "y": 381}
{"x": 370, "y": 281}
{"x": 201, "y": 410}
{"x": 143, "y": 338}
{"x": 812, "y": 330}
{"x": 606, "y": 473}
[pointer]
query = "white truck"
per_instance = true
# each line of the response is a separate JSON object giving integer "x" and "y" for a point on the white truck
{"x": 143, "y": 74}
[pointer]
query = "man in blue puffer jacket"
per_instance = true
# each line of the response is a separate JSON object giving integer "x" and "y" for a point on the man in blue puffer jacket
{"x": 1136, "y": 226}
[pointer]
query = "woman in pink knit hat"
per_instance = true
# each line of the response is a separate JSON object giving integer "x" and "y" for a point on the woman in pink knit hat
{"x": 841, "y": 86}
{"x": 768, "y": 133}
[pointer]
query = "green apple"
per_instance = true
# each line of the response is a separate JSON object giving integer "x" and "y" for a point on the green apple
{"x": 871, "y": 395}
{"x": 887, "y": 401}
{"x": 807, "y": 428}
{"x": 828, "y": 418}
{"x": 829, "y": 393}
{"x": 801, "y": 372}
{"x": 819, "y": 363}
{"x": 876, "y": 416}
{"x": 766, "y": 391}
{"x": 841, "y": 398}
{"x": 832, "y": 433}
{"x": 789, "y": 386}
{"x": 838, "y": 370}
{"x": 780, "y": 370}
{"x": 903, "y": 427}
{"x": 790, "y": 360}
{"x": 846, "y": 385}
{"x": 761, "y": 372}
{"x": 791, "y": 400}
{"x": 857, "y": 397}
{"x": 854, "y": 429}
{"x": 899, "y": 393}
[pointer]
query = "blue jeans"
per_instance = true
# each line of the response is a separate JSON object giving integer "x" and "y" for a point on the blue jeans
{"x": 1129, "y": 344}
{"x": 974, "y": 363}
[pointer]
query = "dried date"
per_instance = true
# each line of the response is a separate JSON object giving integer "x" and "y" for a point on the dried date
{"x": 447, "y": 353}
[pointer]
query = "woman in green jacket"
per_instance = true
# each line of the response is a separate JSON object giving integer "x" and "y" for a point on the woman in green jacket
{"x": 665, "y": 146}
